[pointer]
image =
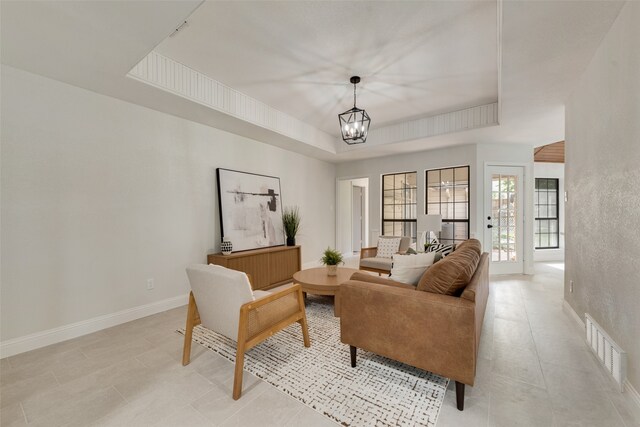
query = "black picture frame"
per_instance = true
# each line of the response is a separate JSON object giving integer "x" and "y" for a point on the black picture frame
{"x": 250, "y": 209}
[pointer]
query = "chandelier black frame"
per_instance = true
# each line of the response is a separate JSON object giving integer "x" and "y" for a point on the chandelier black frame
{"x": 354, "y": 123}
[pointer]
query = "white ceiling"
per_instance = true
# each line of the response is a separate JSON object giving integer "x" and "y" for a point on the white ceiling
{"x": 279, "y": 53}
{"x": 415, "y": 58}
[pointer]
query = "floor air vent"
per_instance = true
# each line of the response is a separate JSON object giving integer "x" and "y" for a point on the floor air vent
{"x": 607, "y": 351}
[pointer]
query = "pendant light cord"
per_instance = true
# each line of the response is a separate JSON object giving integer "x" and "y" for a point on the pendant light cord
{"x": 354, "y": 95}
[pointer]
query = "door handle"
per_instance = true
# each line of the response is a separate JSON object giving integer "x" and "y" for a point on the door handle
{"x": 489, "y": 226}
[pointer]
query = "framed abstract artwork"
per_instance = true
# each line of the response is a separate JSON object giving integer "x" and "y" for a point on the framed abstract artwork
{"x": 250, "y": 209}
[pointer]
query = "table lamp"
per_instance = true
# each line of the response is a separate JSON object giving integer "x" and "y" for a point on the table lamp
{"x": 427, "y": 224}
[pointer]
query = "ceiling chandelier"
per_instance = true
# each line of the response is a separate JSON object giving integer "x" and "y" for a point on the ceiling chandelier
{"x": 354, "y": 123}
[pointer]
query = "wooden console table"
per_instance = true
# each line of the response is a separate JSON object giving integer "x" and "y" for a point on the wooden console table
{"x": 268, "y": 267}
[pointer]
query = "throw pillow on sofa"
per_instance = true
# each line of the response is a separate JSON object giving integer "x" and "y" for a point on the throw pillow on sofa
{"x": 442, "y": 249}
{"x": 410, "y": 268}
{"x": 452, "y": 274}
{"x": 471, "y": 243}
{"x": 387, "y": 246}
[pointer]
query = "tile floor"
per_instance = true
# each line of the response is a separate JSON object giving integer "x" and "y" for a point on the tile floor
{"x": 534, "y": 371}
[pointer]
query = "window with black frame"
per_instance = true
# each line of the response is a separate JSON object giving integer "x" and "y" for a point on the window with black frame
{"x": 448, "y": 195}
{"x": 547, "y": 227}
{"x": 399, "y": 204}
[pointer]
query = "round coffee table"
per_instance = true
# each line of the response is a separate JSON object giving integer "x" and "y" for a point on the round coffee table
{"x": 316, "y": 281}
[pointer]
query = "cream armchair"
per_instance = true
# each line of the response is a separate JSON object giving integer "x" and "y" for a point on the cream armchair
{"x": 370, "y": 261}
{"x": 222, "y": 300}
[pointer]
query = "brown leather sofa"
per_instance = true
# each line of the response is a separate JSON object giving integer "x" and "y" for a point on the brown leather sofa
{"x": 432, "y": 331}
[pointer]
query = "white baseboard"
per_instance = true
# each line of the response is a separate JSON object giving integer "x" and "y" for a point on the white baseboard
{"x": 571, "y": 312}
{"x": 544, "y": 255}
{"x": 62, "y": 333}
{"x": 633, "y": 393}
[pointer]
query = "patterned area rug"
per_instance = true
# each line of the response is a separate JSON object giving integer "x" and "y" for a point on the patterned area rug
{"x": 378, "y": 392}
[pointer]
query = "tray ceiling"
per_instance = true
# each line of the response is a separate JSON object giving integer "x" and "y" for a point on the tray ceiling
{"x": 423, "y": 64}
{"x": 416, "y": 59}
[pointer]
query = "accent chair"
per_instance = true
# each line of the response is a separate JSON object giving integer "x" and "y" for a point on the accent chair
{"x": 222, "y": 300}
{"x": 370, "y": 261}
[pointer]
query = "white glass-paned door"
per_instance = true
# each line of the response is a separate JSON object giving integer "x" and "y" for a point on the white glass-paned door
{"x": 504, "y": 220}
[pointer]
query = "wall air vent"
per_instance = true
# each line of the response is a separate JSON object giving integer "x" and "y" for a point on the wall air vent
{"x": 610, "y": 355}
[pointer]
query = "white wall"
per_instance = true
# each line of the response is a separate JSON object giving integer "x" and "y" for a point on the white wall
{"x": 476, "y": 156}
{"x": 552, "y": 170}
{"x": 602, "y": 168}
{"x": 373, "y": 169}
{"x": 98, "y": 195}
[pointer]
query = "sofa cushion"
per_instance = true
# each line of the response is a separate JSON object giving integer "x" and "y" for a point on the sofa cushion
{"x": 474, "y": 285}
{"x": 452, "y": 274}
{"x": 410, "y": 268}
{"x": 369, "y": 278}
{"x": 387, "y": 246}
{"x": 376, "y": 262}
{"x": 471, "y": 243}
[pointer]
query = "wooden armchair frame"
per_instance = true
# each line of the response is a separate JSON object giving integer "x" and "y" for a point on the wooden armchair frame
{"x": 247, "y": 340}
{"x": 370, "y": 253}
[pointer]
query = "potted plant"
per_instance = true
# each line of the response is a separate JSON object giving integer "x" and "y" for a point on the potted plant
{"x": 291, "y": 222}
{"x": 331, "y": 259}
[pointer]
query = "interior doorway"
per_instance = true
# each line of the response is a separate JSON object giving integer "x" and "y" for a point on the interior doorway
{"x": 352, "y": 214}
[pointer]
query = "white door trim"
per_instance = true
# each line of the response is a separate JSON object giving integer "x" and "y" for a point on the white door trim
{"x": 528, "y": 187}
{"x": 357, "y": 217}
{"x": 366, "y": 204}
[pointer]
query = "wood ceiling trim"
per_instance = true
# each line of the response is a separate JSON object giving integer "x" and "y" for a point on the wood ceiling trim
{"x": 550, "y": 153}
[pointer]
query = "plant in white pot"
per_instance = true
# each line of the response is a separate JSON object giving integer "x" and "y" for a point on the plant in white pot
{"x": 331, "y": 258}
